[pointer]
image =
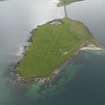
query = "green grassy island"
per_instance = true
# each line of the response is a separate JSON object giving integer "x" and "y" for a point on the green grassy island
{"x": 52, "y": 45}
{"x": 66, "y": 2}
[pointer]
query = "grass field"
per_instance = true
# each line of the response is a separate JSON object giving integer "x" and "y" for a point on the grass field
{"x": 52, "y": 45}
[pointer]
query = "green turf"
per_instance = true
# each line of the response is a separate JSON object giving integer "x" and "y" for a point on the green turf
{"x": 52, "y": 45}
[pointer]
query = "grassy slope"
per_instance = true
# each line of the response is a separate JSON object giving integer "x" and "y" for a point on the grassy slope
{"x": 50, "y": 44}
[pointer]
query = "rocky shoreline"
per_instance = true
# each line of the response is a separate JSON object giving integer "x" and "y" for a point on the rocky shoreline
{"x": 18, "y": 80}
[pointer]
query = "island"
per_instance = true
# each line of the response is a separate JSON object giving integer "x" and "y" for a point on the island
{"x": 53, "y": 45}
{"x": 66, "y": 2}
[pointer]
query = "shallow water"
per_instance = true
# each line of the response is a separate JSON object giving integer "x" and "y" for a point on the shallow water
{"x": 82, "y": 82}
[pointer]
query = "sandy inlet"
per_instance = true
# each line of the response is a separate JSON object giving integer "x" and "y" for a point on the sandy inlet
{"x": 91, "y": 47}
